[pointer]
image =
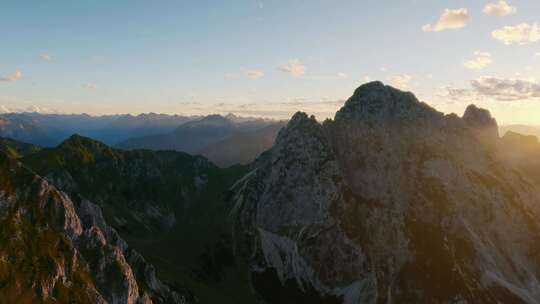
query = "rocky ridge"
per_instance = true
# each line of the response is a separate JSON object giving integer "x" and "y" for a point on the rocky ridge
{"x": 390, "y": 202}
{"x": 59, "y": 250}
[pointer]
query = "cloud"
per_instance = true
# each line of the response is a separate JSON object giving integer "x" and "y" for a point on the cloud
{"x": 90, "y": 86}
{"x": 12, "y": 78}
{"x": 37, "y": 109}
{"x": 254, "y": 74}
{"x": 453, "y": 95}
{"x": 4, "y": 109}
{"x": 480, "y": 61}
{"x": 520, "y": 34}
{"x": 295, "y": 67}
{"x": 342, "y": 75}
{"x": 45, "y": 57}
{"x": 506, "y": 89}
{"x": 449, "y": 20}
{"x": 501, "y": 8}
{"x": 400, "y": 81}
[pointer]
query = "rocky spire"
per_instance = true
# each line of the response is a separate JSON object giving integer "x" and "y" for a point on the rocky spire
{"x": 481, "y": 121}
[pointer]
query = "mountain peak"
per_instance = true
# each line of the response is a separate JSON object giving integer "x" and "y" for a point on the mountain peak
{"x": 83, "y": 144}
{"x": 481, "y": 120}
{"x": 478, "y": 116}
{"x": 376, "y": 100}
{"x": 298, "y": 117}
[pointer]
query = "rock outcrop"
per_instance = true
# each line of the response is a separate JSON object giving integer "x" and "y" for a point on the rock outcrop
{"x": 57, "y": 250}
{"x": 390, "y": 202}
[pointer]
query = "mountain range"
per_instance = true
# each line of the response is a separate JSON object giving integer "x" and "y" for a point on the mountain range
{"x": 388, "y": 202}
{"x": 521, "y": 129}
{"x": 214, "y": 136}
{"x": 51, "y": 129}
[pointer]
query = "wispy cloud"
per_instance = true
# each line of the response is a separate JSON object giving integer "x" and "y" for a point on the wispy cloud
{"x": 452, "y": 95}
{"x": 506, "y": 89}
{"x": 45, "y": 57}
{"x": 12, "y": 77}
{"x": 400, "y": 81}
{"x": 451, "y": 19}
{"x": 501, "y": 8}
{"x": 480, "y": 61}
{"x": 90, "y": 86}
{"x": 295, "y": 67}
{"x": 254, "y": 74}
{"x": 523, "y": 33}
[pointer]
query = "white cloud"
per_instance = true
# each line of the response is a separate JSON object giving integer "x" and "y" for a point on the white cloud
{"x": 342, "y": 75}
{"x": 453, "y": 95}
{"x": 480, "y": 61}
{"x": 90, "y": 86}
{"x": 12, "y": 77}
{"x": 506, "y": 89}
{"x": 37, "y": 109}
{"x": 537, "y": 54}
{"x": 254, "y": 74}
{"x": 501, "y": 8}
{"x": 400, "y": 81}
{"x": 295, "y": 67}
{"x": 449, "y": 20}
{"x": 45, "y": 57}
{"x": 4, "y": 109}
{"x": 520, "y": 34}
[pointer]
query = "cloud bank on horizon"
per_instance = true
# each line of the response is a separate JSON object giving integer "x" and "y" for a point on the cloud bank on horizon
{"x": 269, "y": 58}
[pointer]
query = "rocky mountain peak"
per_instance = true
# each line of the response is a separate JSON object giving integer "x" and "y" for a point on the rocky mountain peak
{"x": 377, "y": 101}
{"x": 301, "y": 118}
{"x": 301, "y": 128}
{"x": 479, "y": 117}
{"x": 376, "y": 205}
{"x": 481, "y": 120}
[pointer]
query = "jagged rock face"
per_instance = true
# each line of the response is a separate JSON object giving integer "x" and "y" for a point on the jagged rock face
{"x": 169, "y": 206}
{"x": 390, "y": 202}
{"x": 55, "y": 250}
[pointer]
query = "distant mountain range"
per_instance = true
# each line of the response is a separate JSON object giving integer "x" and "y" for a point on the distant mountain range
{"x": 51, "y": 129}
{"x": 242, "y": 147}
{"x": 226, "y": 140}
{"x": 196, "y": 135}
{"x": 521, "y": 129}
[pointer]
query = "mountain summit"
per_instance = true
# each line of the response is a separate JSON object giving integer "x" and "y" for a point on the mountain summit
{"x": 390, "y": 202}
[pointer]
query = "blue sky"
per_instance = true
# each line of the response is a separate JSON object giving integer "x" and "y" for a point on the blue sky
{"x": 268, "y": 57}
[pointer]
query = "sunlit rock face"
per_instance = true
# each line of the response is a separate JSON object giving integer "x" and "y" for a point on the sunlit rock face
{"x": 390, "y": 202}
{"x": 57, "y": 250}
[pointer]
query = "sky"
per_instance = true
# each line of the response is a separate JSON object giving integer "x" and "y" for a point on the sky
{"x": 268, "y": 58}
